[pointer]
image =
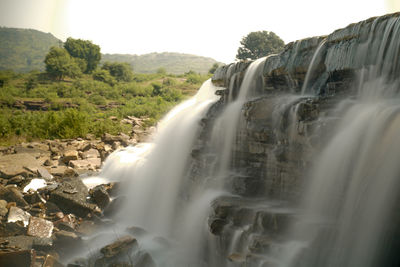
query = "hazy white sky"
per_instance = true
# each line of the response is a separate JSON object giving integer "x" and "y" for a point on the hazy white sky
{"x": 211, "y": 28}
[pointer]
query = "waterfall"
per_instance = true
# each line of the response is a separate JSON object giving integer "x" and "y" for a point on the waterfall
{"x": 315, "y": 61}
{"x": 348, "y": 216}
{"x": 160, "y": 198}
{"x": 225, "y": 127}
{"x": 217, "y": 186}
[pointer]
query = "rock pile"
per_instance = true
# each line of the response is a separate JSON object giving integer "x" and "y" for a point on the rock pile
{"x": 45, "y": 208}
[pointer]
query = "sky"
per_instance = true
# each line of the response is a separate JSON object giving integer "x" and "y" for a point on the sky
{"x": 211, "y": 28}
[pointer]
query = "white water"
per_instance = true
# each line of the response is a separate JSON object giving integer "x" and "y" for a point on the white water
{"x": 306, "y": 88}
{"x": 224, "y": 128}
{"x": 154, "y": 185}
{"x": 353, "y": 187}
{"x": 352, "y": 190}
{"x": 156, "y": 178}
{"x": 152, "y": 175}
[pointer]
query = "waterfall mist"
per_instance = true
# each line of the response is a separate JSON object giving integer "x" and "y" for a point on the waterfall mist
{"x": 292, "y": 164}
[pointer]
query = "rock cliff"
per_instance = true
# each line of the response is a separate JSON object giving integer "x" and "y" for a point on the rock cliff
{"x": 281, "y": 128}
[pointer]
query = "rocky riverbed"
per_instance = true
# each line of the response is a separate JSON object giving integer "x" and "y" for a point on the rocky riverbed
{"x": 46, "y": 209}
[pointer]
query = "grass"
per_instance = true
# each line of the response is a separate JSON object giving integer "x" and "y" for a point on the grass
{"x": 92, "y": 101}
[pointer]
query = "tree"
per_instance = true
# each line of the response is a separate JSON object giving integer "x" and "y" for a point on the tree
{"x": 120, "y": 71}
{"x": 213, "y": 68}
{"x": 103, "y": 76}
{"x": 60, "y": 64}
{"x": 85, "y": 50}
{"x": 259, "y": 44}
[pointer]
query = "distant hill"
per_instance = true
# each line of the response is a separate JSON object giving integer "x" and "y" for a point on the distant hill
{"x": 23, "y": 50}
{"x": 176, "y": 63}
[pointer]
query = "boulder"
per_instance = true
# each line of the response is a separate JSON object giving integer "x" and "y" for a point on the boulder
{"x": 12, "y": 194}
{"x": 62, "y": 171}
{"x": 35, "y": 149}
{"x": 17, "y": 164}
{"x": 16, "y": 214}
{"x": 12, "y": 229}
{"x": 63, "y": 236}
{"x": 100, "y": 196}
{"x": 124, "y": 245}
{"x": 85, "y": 147}
{"x": 69, "y": 155}
{"x": 70, "y": 197}
{"x": 110, "y": 139}
{"x": 24, "y": 258}
{"x": 89, "y": 163}
{"x": 40, "y": 227}
{"x": 52, "y": 208}
{"x": 91, "y": 153}
{"x": 45, "y": 174}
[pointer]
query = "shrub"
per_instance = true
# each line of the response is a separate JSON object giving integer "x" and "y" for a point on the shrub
{"x": 103, "y": 75}
{"x": 97, "y": 99}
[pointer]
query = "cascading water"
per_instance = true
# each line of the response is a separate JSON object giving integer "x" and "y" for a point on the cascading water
{"x": 152, "y": 176}
{"x": 305, "y": 89}
{"x": 224, "y": 129}
{"x": 157, "y": 194}
{"x": 348, "y": 218}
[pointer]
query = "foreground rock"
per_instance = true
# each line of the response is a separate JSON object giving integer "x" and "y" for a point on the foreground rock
{"x": 124, "y": 251}
{"x": 63, "y": 158}
{"x": 43, "y": 220}
{"x": 71, "y": 197}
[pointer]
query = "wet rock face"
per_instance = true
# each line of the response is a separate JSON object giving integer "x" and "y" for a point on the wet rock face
{"x": 100, "y": 196}
{"x": 121, "y": 245}
{"x": 25, "y": 258}
{"x": 279, "y": 131}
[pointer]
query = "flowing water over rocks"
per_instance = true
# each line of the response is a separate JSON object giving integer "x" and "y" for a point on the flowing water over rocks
{"x": 287, "y": 161}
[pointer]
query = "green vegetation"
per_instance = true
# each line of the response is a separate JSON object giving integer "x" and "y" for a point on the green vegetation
{"x": 213, "y": 68}
{"x": 120, "y": 71}
{"x": 86, "y": 51}
{"x": 75, "y": 96}
{"x": 74, "y": 107}
{"x": 60, "y": 64}
{"x": 259, "y": 44}
{"x": 79, "y": 56}
{"x": 24, "y": 50}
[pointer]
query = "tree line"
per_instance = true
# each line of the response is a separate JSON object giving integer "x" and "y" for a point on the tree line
{"x": 78, "y": 57}
{"x": 82, "y": 56}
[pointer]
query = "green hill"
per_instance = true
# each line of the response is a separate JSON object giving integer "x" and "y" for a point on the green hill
{"x": 175, "y": 63}
{"x": 23, "y": 50}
